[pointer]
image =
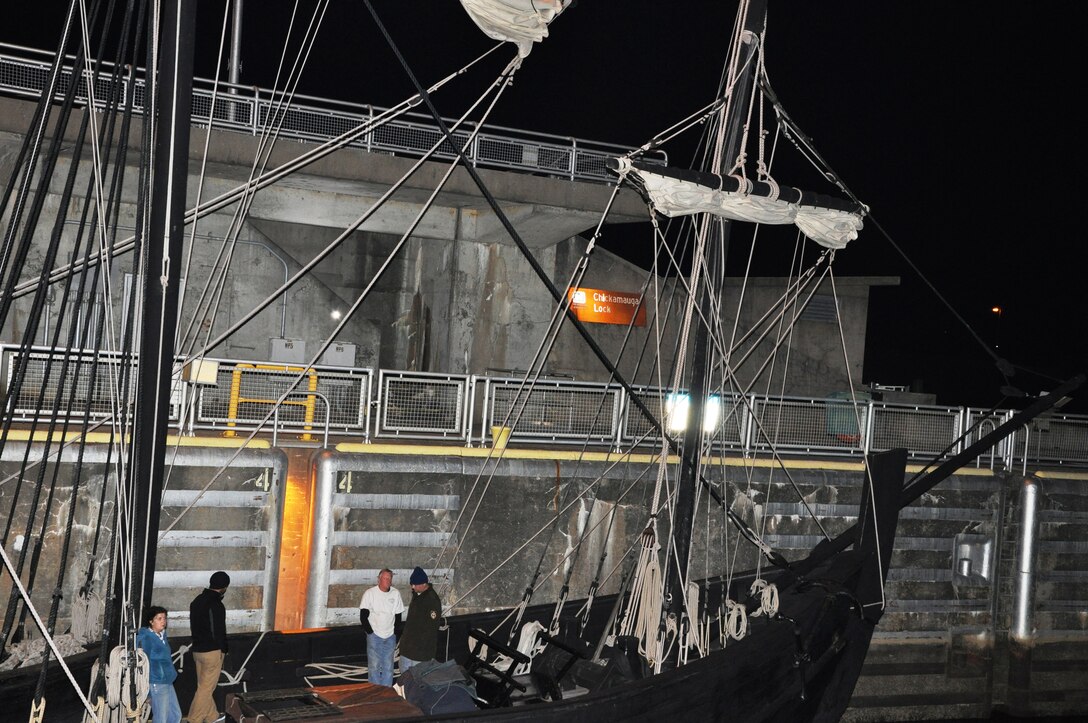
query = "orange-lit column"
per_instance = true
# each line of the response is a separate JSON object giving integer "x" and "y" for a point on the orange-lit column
{"x": 295, "y": 540}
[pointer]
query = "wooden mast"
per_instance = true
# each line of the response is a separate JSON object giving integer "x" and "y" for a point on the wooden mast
{"x": 161, "y": 274}
{"x": 676, "y": 564}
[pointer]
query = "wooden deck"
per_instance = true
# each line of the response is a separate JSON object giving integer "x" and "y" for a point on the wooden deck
{"x": 336, "y": 703}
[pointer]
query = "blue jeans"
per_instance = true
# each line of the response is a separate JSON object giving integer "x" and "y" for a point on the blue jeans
{"x": 406, "y": 663}
{"x": 379, "y": 658}
{"x": 164, "y": 703}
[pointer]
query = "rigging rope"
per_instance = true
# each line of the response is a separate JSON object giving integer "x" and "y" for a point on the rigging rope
{"x": 643, "y": 614}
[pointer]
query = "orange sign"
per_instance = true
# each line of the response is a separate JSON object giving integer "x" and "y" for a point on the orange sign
{"x": 606, "y": 307}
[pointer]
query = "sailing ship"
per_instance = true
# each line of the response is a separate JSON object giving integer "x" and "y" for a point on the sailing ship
{"x": 783, "y": 640}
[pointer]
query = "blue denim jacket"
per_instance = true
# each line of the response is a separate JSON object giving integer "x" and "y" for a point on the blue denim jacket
{"x": 158, "y": 656}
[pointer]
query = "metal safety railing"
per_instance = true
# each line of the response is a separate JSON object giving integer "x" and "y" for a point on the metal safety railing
{"x": 245, "y": 393}
{"x": 421, "y": 405}
{"x": 485, "y": 410}
{"x": 83, "y": 384}
{"x": 272, "y": 397}
{"x": 551, "y": 411}
{"x": 25, "y": 71}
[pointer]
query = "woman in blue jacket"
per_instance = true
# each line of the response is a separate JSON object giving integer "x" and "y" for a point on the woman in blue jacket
{"x": 152, "y": 638}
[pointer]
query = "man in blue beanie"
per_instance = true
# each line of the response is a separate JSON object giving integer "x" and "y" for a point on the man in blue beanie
{"x": 420, "y": 639}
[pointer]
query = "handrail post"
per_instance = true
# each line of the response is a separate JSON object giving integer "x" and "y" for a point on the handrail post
{"x": 867, "y": 441}
{"x": 1027, "y": 440}
{"x": 308, "y": 414}
{"x": 255, "y": 119}
{"x": 366, "y": 406}
{"x": 235, "y": 394}
{"x": 621, "y": 419}
{"x": 370, "y": 125}
{"x": 470, "y": 409}
{"x": 749, "y": 424}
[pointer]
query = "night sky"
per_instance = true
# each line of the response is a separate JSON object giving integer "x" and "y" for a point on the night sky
{"x": 957, "y": 123}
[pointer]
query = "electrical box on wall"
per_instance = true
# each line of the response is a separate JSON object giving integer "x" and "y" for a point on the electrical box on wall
{"x": 287, "y": 351}
{"x": 339, "y": 354}
{"x": 200, "y": 371}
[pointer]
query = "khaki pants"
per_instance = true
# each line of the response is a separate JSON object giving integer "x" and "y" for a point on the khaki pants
{"x": 208, "y": 665}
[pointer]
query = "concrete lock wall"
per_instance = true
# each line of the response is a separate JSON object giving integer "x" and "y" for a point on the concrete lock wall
{"x": 233, "y": 526}
{"x": 457, "y": 298}
{"x": 397, "y": 511}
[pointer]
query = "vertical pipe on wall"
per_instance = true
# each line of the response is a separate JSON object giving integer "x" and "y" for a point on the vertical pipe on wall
{"x": 1023, "y": 619}
{"x": 323, "y": 474}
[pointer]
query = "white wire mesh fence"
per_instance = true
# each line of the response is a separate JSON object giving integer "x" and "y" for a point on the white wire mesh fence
{"x": 25, "y": 72}
{"x": 247, "y": 396}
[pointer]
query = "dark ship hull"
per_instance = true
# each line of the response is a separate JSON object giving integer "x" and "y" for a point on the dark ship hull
{"x": 799, "y": 664}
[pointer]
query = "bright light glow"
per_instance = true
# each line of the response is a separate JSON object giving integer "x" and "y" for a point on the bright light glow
{"x": 996, "y": 309}
{"x": 677, "y": 410}
{"x": 336, "y": 314}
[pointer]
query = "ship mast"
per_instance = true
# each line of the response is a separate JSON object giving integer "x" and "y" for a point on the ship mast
{"x": 676, "y": 566}
{"x": 161, "y": 273}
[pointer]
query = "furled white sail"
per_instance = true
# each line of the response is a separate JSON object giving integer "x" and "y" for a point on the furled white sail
{"x": 522, "y": 22}
{"x": 670, "y": 196}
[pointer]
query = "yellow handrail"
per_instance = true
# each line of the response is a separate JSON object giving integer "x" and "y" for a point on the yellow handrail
{"x": 237, "y": 399}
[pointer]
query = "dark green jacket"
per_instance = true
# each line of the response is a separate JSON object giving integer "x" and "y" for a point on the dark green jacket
{"x": 420, "y": 638}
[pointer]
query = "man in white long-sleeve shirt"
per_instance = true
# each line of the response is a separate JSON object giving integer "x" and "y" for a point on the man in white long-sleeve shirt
{"x": 380, "y": 613}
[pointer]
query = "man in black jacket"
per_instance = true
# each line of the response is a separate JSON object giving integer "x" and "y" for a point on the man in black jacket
{"x": 208, "y": 624}
{"x": 420, "y": 639}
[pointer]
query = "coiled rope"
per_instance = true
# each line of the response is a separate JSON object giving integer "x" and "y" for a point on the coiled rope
{"x": 118, "y": 681}
{"x": 736, "y": 622}
{"x": 768, "y": 597}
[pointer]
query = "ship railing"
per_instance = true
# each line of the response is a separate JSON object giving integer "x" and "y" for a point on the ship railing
{"x": 494, "y": 410}
{"x": 24, "y": 72}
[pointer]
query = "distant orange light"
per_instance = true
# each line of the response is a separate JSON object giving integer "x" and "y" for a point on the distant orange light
{"x": 996, "y": 309}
